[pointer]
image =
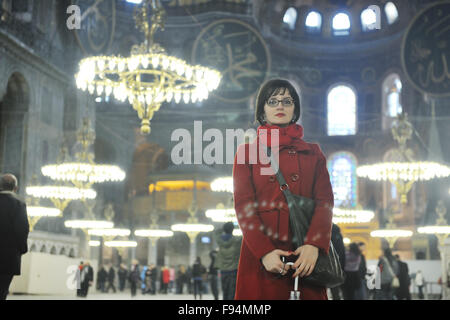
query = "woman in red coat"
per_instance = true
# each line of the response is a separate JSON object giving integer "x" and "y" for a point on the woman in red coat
{"x": 261, "y": 206}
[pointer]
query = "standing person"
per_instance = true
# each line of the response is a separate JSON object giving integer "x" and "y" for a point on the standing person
{"x": 102, "y": 275}
{"x": 338, "y": 242}
{"x": 133, "y": 277}
{"x": 171, "y": 280}
{"x": 261, "y": 207}
{"x": 87, "y": 278}
{"x": 189, "y": 280}
{"x": 362, "y": 293}
{"x": 111, "y": 278}
{"x": 198, "y": 270}
{"x": 148, "y": 281}
{"x": 420, "y": 282}
{"x": 14, "y": 229}
{"x": 389, "y": 270}
{"x": 80, "y": 273}
{"x": 165, "y": 279}
{"x": 153, "y": 276}
{"x": 228, "y": 259}
{"x": 181, "y": 278}
{"x": 122, "y": 276}
{"x": 402, "y": 291}
{"x": 352, "y": 282}
{"x": 213, "y": 274}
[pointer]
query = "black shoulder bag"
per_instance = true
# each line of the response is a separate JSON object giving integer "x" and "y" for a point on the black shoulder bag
{"x": 327, "y": 271}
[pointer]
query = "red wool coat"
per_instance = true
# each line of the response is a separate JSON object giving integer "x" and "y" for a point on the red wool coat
{"x": 263, "y": 216}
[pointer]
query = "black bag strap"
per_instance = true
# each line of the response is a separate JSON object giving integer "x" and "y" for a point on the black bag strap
{"x": 283, "y": 184}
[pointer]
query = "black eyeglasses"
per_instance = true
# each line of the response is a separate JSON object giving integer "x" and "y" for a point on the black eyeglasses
{"x": 285, "y": 102}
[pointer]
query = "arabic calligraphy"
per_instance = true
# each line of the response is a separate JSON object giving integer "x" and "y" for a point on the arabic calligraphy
{"x": 426, "y": 50}
{"x": 97, "y": 25}
{"x": 239, "y": 52}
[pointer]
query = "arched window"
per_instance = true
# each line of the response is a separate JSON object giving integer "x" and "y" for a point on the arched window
{"x": 313, "y": 22}
{"x": 391, "y": 12}
{"x": 392, "y": 105}
{"x": 341, "y": 24}
{"x": 342, "y": 168}
{"x": 341, "y": 111}
{"x": 290, "y": 18}
{"x": 370, "y": 18}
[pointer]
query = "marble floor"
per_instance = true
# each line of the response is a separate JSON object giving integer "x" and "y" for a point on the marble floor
{"x": 126, "y": 295}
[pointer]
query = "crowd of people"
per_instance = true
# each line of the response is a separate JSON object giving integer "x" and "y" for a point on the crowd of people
{"x": 393, "y": 283}
{"x": 394, "y": 280}
{"x": 151, "y": 279}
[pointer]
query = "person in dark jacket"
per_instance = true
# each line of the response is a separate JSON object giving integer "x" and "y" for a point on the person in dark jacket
{"x": 213, "y": 275}
{"x": 102, "y": 275}
{"x": 111, "y": 278}
{"x": 198, "y": 271}
{"x": 133, "y": 277}
{"x": 402, "y": 292}
{"x": 14, "y": 229}
{"x": 338, "y": 244}
{"x": 123, "y": 272}
{"x": 228, "y": 259}
{"x": 352, "y": 282}
{"x": 362, "y": 293}
{"x": 87, "y": 278}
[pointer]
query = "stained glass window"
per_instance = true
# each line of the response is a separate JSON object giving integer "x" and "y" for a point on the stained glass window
{"x": 341, "y": 111}
{"x": 342, "y": 169}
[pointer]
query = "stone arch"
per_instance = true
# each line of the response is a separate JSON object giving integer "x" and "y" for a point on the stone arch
{"x": 33, "y": 248}
{"x": 43, "y": 249}
{"x": 62, "y": 251}
{"x": 14, "y": 107}
{"x": 72, "y": 253}
{"x": 53, "y": 250}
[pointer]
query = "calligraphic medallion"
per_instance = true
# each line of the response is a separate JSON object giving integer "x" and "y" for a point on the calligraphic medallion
{"x": 239, "y": 52}
{"x": 426, "y": 50}
{"x": 98, "y": 23}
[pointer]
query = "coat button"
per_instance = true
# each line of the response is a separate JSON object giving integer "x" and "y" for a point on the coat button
{"x": 294, "y": 177}
{"x": 272, "y": 178}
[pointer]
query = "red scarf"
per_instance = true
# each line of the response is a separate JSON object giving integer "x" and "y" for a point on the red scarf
{"x": 287, "y": 135}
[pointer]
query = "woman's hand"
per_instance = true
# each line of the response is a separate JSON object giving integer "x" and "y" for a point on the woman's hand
{"x": 272, "y": 261}
{"x": 306, "y": 261}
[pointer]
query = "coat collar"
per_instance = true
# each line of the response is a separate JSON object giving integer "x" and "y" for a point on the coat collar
{"x": 299, "y": 145}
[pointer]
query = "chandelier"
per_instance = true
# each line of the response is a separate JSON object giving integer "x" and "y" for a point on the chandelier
{"x": 224, "y": 184}
{"x": 192, "y": 228}
{"x": 149, "y": 76}
{"x": 441, "y": 230}
{"x": 121, "y": 244}
{"x": 35, "y": 212}
{"x": 221, "y": 215}
{"x": 351, "y": 216}
{"x": 404, "y": 173}
{"x": 391, "y": 233}
{"x": 85, "y": 225}
{"x": 113, "y": 232}
{"x": 85, "y": 172}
